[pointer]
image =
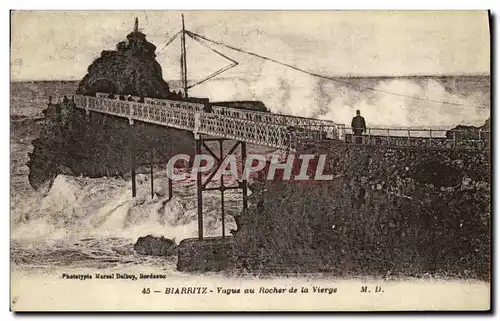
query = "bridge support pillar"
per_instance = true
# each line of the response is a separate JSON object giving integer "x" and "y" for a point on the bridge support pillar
{"x": 202, "y": 186}
{"x": 199, "y": 191}
{"x": 151, "y": 157}
{"x": 151, "y": 163}
{"x": 88, "y": 114}
{"x": 170, "y": 189}
{"x": 221, "y": 189}
{"x": 244, "y": 185}
{"x": 132, "y": 155}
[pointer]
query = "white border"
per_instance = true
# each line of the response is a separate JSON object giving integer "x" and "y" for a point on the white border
{"x": 186, "y": 5}
{"x": 258, "y": 5}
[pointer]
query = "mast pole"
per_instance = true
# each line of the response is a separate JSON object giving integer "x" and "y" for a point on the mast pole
{"x": 183, "y": 59}
{"x": 181, "y": 64}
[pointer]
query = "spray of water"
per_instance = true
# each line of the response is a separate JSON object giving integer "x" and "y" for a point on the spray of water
{"x": 290, "y": 92}
{"x": 78, "y": 207}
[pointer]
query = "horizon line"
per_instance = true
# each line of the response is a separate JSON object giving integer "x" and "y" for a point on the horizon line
{"x": 339, "y": 77}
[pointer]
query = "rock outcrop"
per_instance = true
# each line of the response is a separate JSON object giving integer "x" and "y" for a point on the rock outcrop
{"x": 131, "y": 69}
{"x": 462, "y": 132}
{"x": 155, "y": 245}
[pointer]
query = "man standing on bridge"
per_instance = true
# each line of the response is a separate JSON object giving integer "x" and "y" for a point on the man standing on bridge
{"x": 358, "y": 126}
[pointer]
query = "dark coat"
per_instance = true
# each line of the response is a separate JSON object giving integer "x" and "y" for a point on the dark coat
{"x": 358, "y": 125}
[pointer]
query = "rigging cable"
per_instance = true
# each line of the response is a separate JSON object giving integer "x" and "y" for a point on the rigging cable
{"x": 192, "y": 34}
{"x": 169, "y": 42}
{"x": 233, "y": 63}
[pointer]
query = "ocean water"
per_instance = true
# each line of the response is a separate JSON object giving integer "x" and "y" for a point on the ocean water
{"x": 80, "y": 222}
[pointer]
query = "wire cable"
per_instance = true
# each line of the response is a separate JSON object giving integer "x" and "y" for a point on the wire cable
{"x": 169, "y": 42}
{"x": 326, "y": 77}
{"x": 233, "y": 63}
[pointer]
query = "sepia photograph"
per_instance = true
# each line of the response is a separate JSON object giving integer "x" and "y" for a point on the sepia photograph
{"x": 188, "y": 160}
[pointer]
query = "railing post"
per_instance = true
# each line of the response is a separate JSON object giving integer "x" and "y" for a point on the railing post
{"x": 388, "y": 134}
{"x": 454, "y": 138}
{"x": 430, "y": 137}
{"x": 87, "y": 110}
{"x": 197, "y": 124}
{"x": 409, "y": 137}
{"x": 480, "y": 136}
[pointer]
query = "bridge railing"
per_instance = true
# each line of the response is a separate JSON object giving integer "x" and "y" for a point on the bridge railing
{"x": 185, "y": 105}
{"x": 256, "y": 116}
{"x": 273, "y": 135}
{"x": 247, "y": 130}
{"x": 285, "y": 135}
{"x": 279, "y": 119}
{"x": 158, "y": 114}
{"x": 420, "y": 137}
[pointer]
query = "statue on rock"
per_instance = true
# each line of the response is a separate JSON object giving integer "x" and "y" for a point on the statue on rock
{"x": 131, "y": 69}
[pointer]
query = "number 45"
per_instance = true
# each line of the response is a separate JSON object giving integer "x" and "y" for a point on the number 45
{"x": 146, "y": 291}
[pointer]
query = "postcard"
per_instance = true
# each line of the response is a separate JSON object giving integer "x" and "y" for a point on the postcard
{"x": 250, "y": 161}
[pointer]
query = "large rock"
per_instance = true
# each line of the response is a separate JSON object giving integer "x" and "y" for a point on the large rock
{"x": 462, "y": 132}
{"x": 155, "y": 245}
{"x": 131, "y": 69}
{"x": 209, "y": 254}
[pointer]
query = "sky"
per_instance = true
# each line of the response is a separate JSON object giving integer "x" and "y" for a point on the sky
{"x": 59, "y": 45}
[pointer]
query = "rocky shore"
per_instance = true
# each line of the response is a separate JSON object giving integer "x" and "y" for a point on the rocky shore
{"x": 389, "y": 211}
